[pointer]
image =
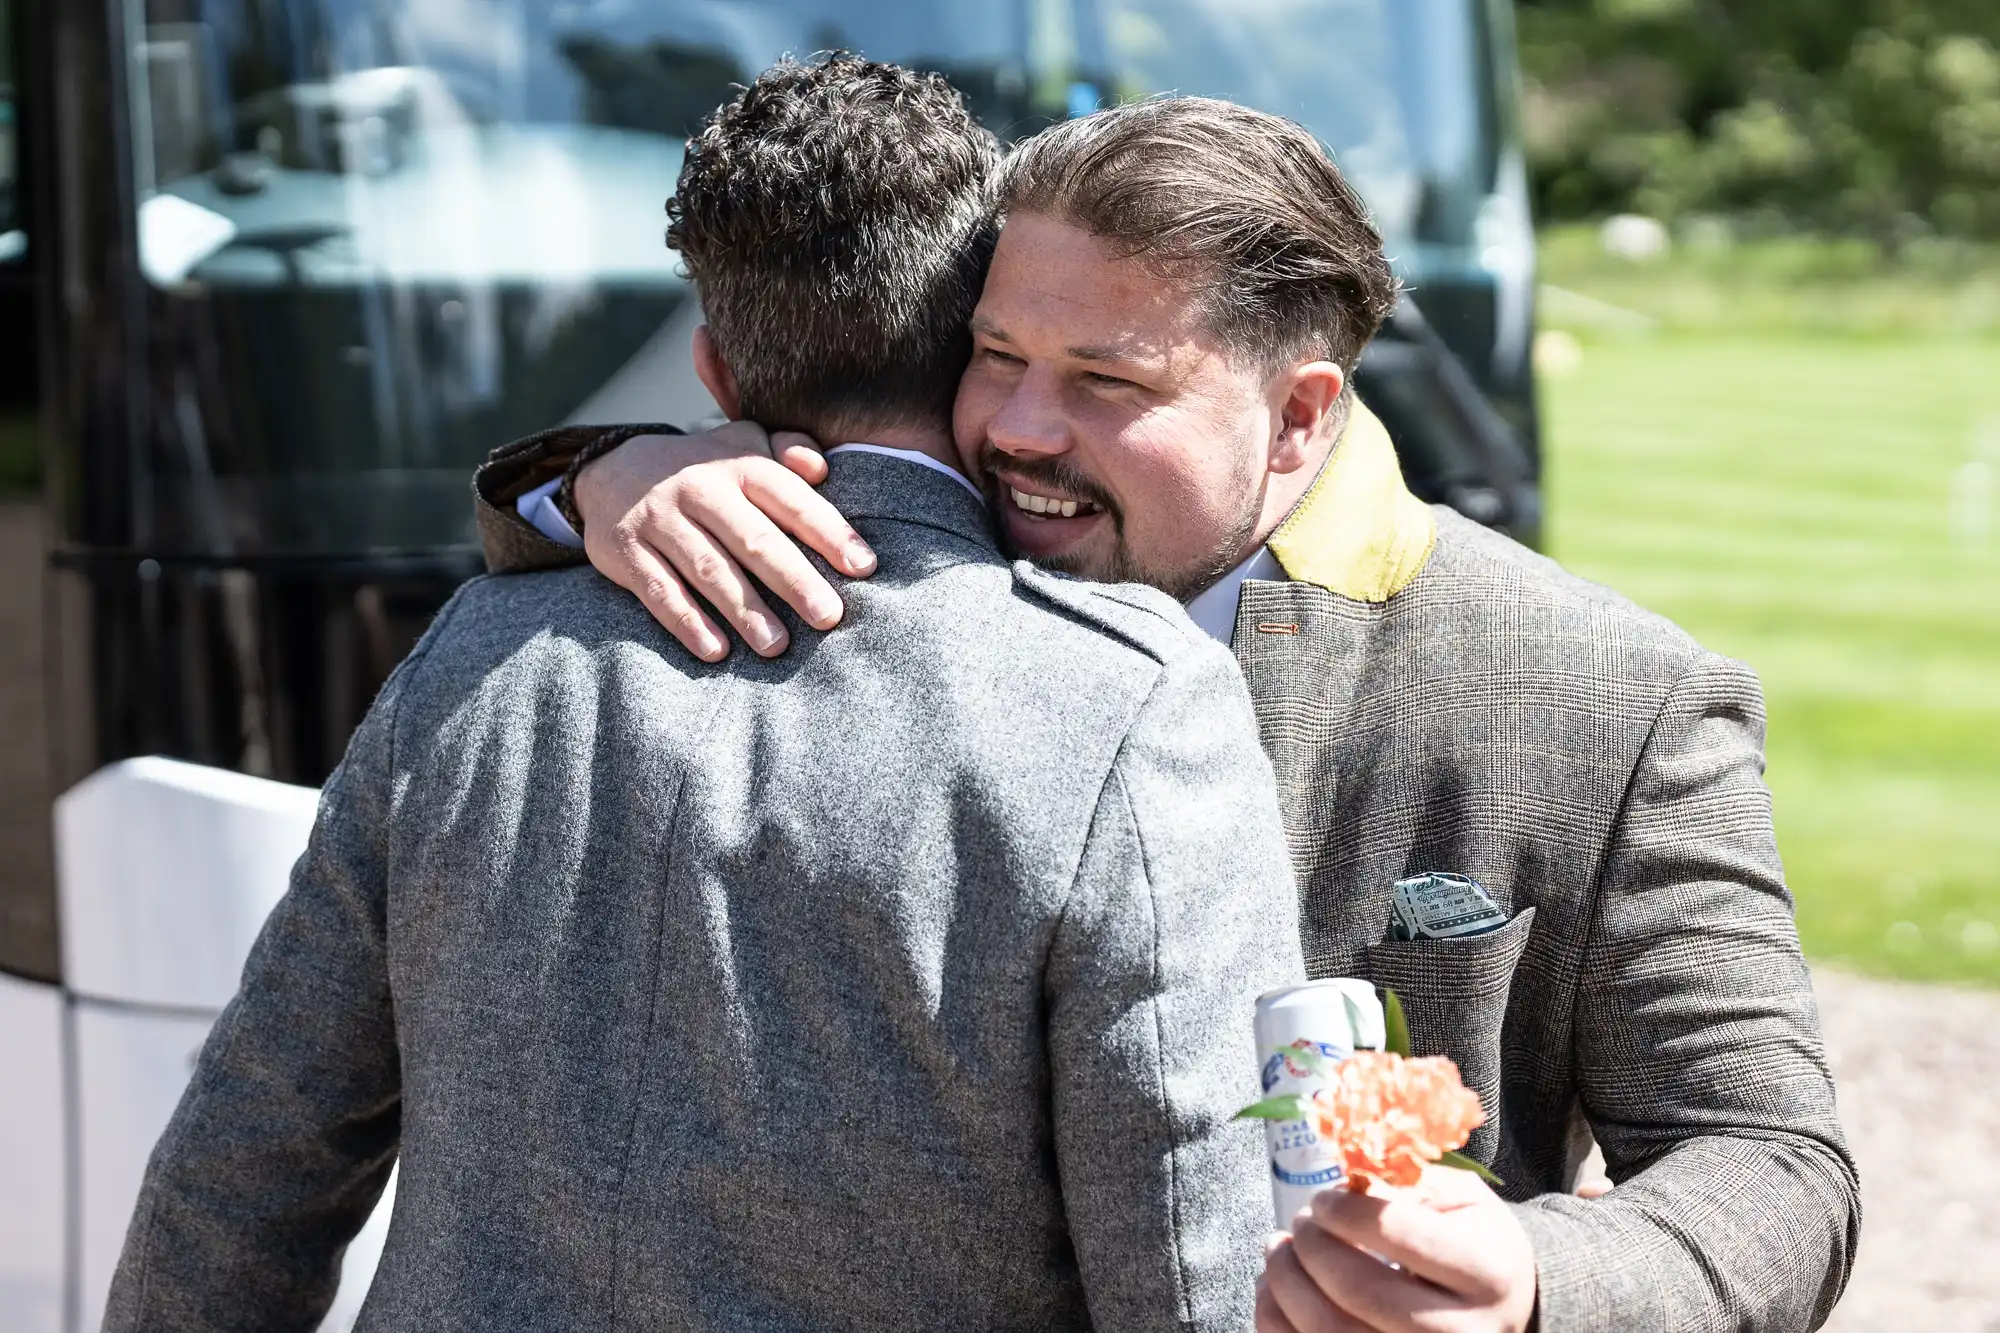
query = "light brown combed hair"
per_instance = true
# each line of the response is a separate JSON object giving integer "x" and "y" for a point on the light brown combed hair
{"x": 1245, "y": 208}
{"x": 837, "y": 220}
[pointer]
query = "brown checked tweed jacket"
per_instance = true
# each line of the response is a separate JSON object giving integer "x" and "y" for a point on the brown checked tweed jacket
{"x": 1434, "y": 696}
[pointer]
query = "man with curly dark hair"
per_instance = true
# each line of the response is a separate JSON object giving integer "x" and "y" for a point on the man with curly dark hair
{"x": 901, "y": 983}
{"x": 837, "y": 219}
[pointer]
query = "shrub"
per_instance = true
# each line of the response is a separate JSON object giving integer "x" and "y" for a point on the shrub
{"x": 1870, "y": 117}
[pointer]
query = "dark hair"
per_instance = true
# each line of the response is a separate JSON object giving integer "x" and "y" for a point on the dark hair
{"x": 837, "y": 219}
{"x": 1246, "y": 206}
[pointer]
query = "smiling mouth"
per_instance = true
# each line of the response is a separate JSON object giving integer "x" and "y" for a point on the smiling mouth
{"x": 1035, "y": 505}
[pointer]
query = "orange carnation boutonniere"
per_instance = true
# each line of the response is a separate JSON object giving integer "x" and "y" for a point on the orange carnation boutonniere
{"x": 1389, "y": 1116}
{"x": 1386, "y": 1114}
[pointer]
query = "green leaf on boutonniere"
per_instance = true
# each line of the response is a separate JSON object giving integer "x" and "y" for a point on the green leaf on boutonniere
{"x": 1289, "y": 1107}
{"x": 1396, "y": 1027}
{"x": 1353, "y": 1020}
{"x": 1461, "y": 1162}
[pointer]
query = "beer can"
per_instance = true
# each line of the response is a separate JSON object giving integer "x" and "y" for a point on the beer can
{"x": 1331, "y": 1019}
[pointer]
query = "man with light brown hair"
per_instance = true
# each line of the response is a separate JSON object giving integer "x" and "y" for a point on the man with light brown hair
{"x": 1158, "y": 388}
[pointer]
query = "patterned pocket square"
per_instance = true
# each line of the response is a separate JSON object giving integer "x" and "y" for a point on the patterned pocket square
{"x": 1438, "y": 905}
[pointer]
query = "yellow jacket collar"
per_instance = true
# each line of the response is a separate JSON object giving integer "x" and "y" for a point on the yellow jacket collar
{"x": 1358, "y": 533}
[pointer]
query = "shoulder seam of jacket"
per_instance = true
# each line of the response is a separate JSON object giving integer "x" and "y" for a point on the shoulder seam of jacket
{"x": 412, "y": 665}
{"x": 1079, "y": 610}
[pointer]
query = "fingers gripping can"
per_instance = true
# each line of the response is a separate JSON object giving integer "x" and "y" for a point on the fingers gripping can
{"x": 1329, "y": 1019}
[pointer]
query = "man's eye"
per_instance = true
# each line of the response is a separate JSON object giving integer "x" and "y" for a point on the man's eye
{"x": 1110, "y": 380}
{"x": 1004, "y": 358}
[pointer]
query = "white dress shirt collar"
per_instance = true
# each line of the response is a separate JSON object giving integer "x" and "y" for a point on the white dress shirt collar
{"x": 1215, "y": 610}
{"x": 911, "y": 455}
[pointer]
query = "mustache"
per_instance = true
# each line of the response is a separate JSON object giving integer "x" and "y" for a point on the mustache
{"x": 1057, "y": 474}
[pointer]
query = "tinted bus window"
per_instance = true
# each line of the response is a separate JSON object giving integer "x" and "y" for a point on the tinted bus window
{"x": 385, "y": 237}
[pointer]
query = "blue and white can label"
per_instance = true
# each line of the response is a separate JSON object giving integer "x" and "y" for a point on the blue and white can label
{"x": 1303, "y": 1032}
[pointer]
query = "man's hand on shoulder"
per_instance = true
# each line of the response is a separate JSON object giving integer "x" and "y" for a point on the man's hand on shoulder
{"x": 1466, "y": 1263}
{"x": 670, "y": 517}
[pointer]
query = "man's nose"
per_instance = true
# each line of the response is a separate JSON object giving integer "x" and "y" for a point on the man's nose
{"x": 1031, "y": 420}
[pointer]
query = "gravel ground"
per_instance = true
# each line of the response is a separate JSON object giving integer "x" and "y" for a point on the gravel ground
{"x": 1918, "y": 1072}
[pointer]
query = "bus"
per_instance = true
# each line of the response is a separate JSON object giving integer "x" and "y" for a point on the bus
{"x": 300, "y": 263}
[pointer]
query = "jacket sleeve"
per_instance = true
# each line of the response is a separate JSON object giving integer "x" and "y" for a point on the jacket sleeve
{"x": 510, "y": 543}
{"x": 1699, "y": 1060}
{"x": 1183, "y": 911}
{"x": 284, "y": 1138}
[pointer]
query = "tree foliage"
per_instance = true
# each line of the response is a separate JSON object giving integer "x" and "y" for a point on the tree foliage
{"x": 1873, "y": 117}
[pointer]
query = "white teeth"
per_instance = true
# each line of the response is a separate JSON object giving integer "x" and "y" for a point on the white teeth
{"x": 1042, "y": 504}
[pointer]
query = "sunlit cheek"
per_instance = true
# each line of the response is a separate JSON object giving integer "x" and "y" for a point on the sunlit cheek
{"x": 1167, "y": 479}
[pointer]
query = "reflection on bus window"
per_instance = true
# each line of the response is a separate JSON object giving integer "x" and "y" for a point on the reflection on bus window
{"x": 399, "y": 233}
{"x": 331, "y": 128}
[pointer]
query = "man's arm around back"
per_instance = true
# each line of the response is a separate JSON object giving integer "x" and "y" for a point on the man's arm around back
{"x": 1183, "y": 911}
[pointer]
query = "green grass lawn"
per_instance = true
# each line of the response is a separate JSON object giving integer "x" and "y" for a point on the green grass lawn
{"x": 1788, "y": 498}
{"x": 1835, "y": 289}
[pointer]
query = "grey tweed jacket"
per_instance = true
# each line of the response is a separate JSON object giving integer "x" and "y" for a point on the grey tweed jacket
{"x": 904, "y": 982}
{"x": 1434, "y": 696}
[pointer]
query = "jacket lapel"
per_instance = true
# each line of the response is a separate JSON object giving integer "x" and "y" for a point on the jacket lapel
{"x": 1356, "y": 540}
{"x": 1301, "y": 652}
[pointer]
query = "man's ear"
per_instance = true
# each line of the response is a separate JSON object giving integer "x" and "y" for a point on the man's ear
{"x": 715, "y": 374}
{"x": 1309, "y": 416}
